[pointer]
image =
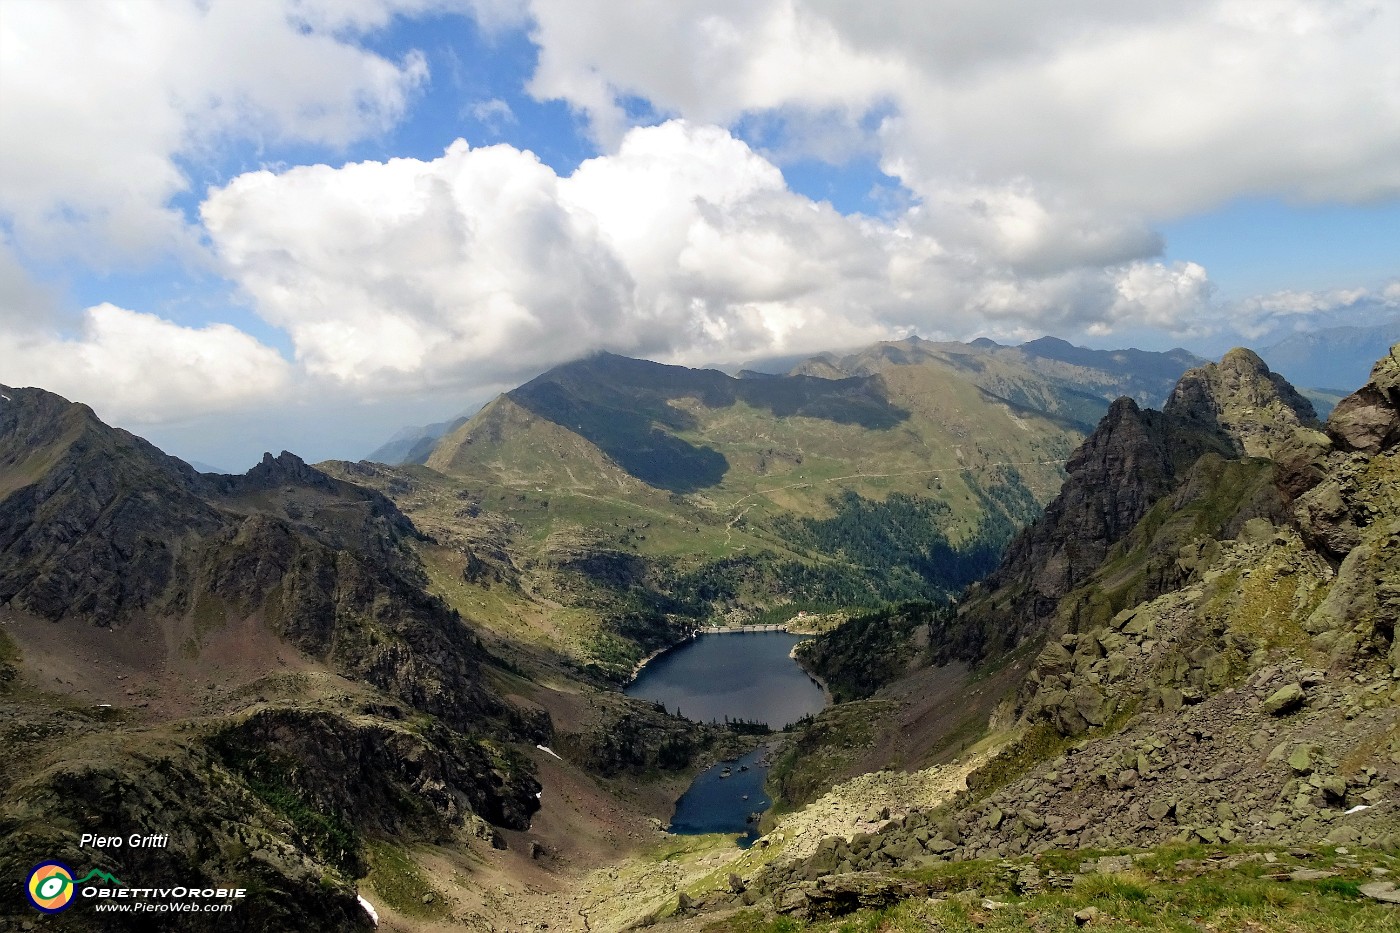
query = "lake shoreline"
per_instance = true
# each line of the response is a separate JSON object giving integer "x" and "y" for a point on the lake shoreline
{"x": 696, "y": 633}
{"x": 745, "y": 680}
{"x": 817, "y": 679}
{"x": 641, "y": 665}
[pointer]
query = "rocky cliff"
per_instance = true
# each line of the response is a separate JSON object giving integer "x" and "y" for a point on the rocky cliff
{"x": 1134, "y": 458}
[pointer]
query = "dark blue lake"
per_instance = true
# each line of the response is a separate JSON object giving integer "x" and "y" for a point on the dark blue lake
{"x": 741, "y": 675}
{"x": 725, "y": 799}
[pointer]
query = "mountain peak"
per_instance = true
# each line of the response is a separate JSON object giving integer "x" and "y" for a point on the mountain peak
{"x": 1257, "y": 409}
{"x": 1243, "y": 359}
{"x": 285, "y": 469}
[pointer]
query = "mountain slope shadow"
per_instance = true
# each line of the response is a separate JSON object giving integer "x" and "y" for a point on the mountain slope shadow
{"x": 625, "y": 407}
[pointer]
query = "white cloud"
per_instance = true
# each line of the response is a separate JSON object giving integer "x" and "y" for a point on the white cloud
{"x": 102, "y": 100}
{"x": 136, "y": 368}
{"x": 484, "y": 265}
{"x": 494, "y": 113}
{"x": 1277, "y": 314}
{"x": 406, "y": 270}
{"x": 1137, "y": 110}
{"x": 708, "y": 62}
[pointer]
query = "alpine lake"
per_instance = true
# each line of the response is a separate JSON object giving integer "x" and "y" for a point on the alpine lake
{"x": 748, "y": 676}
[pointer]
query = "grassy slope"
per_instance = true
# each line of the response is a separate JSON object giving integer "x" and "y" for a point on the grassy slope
{"x": 549, "y": 479}
{"x": 1175, "y": 888}
{"x": 514, "y": 480}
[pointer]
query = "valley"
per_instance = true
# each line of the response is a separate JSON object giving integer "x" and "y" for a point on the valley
{"x": 1059, "y": 608}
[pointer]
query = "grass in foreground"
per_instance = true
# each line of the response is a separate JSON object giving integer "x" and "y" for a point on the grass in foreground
{"x": 1181, "y": 889}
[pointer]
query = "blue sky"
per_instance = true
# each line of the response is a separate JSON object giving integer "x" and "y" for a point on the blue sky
{"x": 207, "y": 219}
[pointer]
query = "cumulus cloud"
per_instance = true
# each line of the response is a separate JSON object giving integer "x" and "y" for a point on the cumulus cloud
{"x": 1150, "y": 110}
{"x": 104, "y": 100}
{"x": 138, "y": 368}
{"x": 684, "y": 244}
{"x": 406, "y": 269}
{"x": 705, "y": 61}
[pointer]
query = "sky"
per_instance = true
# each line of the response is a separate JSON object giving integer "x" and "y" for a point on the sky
{"x": 239, "y": 225}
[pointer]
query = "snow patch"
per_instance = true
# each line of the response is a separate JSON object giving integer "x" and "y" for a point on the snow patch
{"x": 1358, "y": 808}
{"x": 548, "y": 750}
{"x": 369, "y": 909}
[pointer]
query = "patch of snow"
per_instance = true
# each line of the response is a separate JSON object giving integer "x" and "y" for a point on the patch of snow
{"x": 1358, "y": 808}
{"x": 548, "y": 750}
{"x": 369, "y": 909}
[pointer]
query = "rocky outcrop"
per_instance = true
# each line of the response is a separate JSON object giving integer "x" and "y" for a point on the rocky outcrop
{"x": 871, "y": 649}
{"x": 833, "y": 895}
{"x": 1133, "y": 459}
{"x": 221, "y": 833}
{"x": 629, "y": 736}
{"x": 1127, "y": 469}
{"x": 382, "y": 776}
{"x": 1368, "y": 420}
{"x": 1258, "y": 410}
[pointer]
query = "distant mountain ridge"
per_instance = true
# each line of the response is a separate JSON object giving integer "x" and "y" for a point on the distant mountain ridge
{"x": 415, "y": 443}
{"x": 1054, "y": 375}
{"x": 1337, "y": 359}
{"x": 1103, "y": 374}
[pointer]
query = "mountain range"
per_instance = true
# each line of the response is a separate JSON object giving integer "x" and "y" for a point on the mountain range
{"x": 648, "y": 497}
{"x": 1061, "y": 624}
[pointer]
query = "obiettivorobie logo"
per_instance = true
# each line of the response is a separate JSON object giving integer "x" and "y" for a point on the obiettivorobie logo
{"x": 51, "y": 885}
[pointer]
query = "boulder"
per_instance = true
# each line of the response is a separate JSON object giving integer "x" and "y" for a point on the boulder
{"x": 1300, "y": 760}
{"x": 1285, "y": 699}
{"x": 1161, "y": 809}
{"x": 1381, "y": 891}
{"x": 836, "y": 895}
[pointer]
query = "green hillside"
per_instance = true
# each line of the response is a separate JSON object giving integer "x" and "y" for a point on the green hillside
{"x": 631, "y": 499}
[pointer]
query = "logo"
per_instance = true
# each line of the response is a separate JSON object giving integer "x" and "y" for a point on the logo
{"x": 50, "y": 887}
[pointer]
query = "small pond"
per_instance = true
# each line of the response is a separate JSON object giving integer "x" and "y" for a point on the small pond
{"x": 727, "y": 798}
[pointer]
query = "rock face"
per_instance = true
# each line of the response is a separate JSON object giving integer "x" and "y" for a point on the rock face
{"x": 1258, "y": 410}
{"x": 843, "y": 893}
{"x": 1131, "y": 461}
{"x": 1369, "y": 420}
{"x": 1134, "y": 460}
